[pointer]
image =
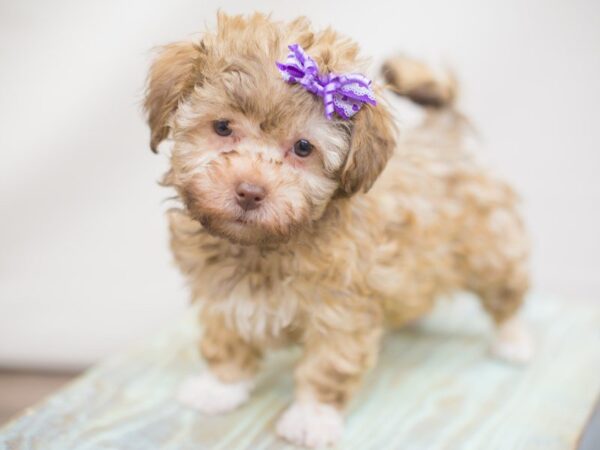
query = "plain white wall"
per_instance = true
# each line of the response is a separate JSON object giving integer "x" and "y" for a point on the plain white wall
{"x": 84, "y": 265}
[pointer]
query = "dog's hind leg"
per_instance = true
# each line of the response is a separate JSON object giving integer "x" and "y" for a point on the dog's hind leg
{"x": 497, "y": 272}
{"x": 512, "y": 341}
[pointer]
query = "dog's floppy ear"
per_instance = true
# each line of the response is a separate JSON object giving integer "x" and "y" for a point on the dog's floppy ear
{"x": 172, "y": 77}
{"x": 371, "y": 145}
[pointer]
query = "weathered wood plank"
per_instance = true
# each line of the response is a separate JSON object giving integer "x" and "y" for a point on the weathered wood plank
{"x": 435, "y": 387}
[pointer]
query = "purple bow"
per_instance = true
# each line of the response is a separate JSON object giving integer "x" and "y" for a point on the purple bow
{"x": 343, "y": 94}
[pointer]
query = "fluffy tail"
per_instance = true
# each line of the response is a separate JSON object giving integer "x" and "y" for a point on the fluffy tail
{"x": 419, "y": 82}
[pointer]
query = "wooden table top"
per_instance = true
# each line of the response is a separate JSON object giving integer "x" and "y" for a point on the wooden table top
{"x": 435, "y": 387}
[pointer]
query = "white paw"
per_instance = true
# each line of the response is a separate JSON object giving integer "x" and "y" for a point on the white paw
{"x": 513, "y": 342}
{"x": 311, "y": 424}
{"x": 208, "y": 394}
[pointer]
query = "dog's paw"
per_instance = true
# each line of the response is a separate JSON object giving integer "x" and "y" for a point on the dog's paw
{"x": 311, "y": 424}
{"x": 208, "y": 394}
{"x": 513, "y": 342}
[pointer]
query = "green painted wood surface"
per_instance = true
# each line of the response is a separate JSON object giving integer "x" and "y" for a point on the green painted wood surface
{"x": 434, "y": 388}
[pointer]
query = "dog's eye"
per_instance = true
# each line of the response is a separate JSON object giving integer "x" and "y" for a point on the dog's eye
{"x": 303, "y": 148}
{"x": 221, "y": 127}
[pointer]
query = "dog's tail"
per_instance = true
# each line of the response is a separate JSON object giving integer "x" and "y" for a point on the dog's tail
{"x": 419, "y": 82}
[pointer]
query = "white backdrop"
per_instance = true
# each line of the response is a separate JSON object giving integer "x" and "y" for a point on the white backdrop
{"x": 84, "y": 265}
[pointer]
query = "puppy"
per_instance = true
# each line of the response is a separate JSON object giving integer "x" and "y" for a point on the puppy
{"x": 302, "y": 226}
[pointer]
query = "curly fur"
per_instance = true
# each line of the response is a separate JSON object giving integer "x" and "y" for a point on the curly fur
{"x": 332, "y": 256}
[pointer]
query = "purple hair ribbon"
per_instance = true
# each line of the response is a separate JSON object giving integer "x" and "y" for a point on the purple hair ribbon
{"x": 343, "y": 94}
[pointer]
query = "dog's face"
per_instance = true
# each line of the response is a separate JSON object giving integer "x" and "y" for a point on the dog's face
{"x": 254, "y": 158}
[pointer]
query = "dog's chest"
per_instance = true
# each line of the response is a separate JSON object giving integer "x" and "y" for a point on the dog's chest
{"x": 256, "y": 293}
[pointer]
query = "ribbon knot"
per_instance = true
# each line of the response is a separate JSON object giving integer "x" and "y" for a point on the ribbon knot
{"x": 341, "y": 93}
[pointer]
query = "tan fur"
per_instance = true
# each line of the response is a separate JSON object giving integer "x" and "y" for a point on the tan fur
{"x": 322, "y": 264}
{"x": 171, "y": 78}
{"x": 417, "y": 81}
{"x": 372, "y": 144}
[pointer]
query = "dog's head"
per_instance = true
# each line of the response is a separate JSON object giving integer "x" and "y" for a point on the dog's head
{"x": 254, "y": 158}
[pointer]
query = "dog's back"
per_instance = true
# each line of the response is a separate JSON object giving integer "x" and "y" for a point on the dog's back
{"x": 452, "y": 224}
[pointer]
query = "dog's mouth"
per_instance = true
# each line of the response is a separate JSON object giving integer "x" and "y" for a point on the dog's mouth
{"x": 244, "y": 230}
{"x": 237, "y": 230}
{"x": 244, "y": 220}
{"x": 258, "y": 226}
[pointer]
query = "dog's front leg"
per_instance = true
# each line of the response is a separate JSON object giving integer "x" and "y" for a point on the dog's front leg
{"x": 336, "y": 357}
{"x": 232, "y": 364}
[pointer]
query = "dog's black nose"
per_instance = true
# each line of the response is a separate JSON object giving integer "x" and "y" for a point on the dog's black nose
{"x": 249, "y": 196}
